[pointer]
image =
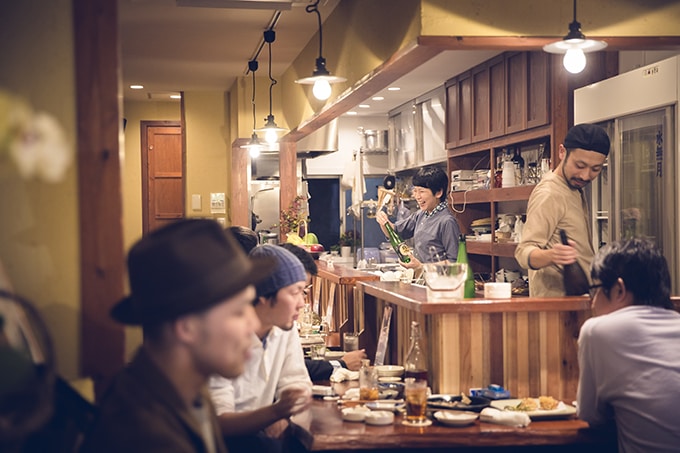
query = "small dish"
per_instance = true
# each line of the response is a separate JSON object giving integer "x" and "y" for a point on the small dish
{"x": 385, "y": 405}
{"x": 449, "y": 402}
{"x": 389, "y": 379}
{"x": 334, "y": 355}
{"x": 355, "y": 414}
{"x": 379, "y": 418}
{"x": 456, "y": 418}
{"x": 390, "y": 370}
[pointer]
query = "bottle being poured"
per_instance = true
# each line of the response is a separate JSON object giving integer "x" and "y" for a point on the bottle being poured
{"x": 400, "y": 247}
{"x": 575, "y": 280}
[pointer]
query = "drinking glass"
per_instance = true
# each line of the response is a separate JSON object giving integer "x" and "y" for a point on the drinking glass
{"x": 318, "y": 351}
{"x": 445, "y": 280}
{"x": 415, "y": 394}
{"x": 350, "y": 341}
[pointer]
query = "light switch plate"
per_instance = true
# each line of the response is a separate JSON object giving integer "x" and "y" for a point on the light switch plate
{"x": 196, "y": 202}
{"x": 217, "y": 203}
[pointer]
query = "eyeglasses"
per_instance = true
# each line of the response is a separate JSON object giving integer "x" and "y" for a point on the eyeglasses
{"x": 307, "y": 289}
{"x": 592, "y": 289}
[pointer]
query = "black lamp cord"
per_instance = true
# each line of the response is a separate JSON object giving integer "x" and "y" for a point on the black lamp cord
{"x": 252, "y": 67}
{"x": 313, "y": 8}
{"x": 269, "y": 37}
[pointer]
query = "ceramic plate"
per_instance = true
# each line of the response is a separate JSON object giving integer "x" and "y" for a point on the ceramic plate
{"x": 456, "y": 418}
{"x": 379, "y": 418}
{"x": 385, "y": 405}
{"x": 562, "y": 410}
{"x": 477, "y": 403}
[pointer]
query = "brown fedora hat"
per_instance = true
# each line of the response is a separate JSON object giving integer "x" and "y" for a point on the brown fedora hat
{"x": 185, "y": 267}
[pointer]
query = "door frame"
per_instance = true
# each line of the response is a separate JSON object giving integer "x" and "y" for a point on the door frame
{"x": 144, "y": 148}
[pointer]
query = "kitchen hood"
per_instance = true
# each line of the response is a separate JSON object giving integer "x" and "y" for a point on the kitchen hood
{"x": 322, "y": 141}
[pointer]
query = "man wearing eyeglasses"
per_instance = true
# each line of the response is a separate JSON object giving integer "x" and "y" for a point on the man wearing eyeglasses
{"x": 629, "y": 359}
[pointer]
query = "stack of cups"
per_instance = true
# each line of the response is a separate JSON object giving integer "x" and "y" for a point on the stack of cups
{"x": 508, "y": 174}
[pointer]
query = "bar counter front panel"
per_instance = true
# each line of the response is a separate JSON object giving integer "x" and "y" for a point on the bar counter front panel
{"x": 527, "y": 345}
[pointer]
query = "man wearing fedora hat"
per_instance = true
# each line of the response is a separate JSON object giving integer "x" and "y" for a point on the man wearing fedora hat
{"x": 191, "y": 291}
{"x": 275, "y": 384}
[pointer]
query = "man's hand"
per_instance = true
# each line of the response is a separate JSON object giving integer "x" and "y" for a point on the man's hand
{"x": 353, "y": 359}
{"x": 293, "y": 399}
{"x": 381, "y": 218}
{"x": 564, "y": 254}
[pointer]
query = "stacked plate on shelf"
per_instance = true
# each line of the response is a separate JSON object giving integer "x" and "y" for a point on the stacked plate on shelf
{"x": 481, "y": 226}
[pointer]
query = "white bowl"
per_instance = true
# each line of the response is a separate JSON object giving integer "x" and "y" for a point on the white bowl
{"x": 456, "y": 418}
{"x": 355, "y": 414}
{"x": 379, "y": 418}
{"x": 497, "y": 290}
{"x": 390, "y": 370}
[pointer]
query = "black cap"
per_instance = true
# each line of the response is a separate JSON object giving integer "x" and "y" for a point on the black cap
{"x": 589, "y": 137}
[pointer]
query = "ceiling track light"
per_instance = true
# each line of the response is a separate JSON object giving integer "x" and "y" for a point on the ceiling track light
{"x": 321, "y": 78}
{"x": 270, "y": 129}
{"x": 254, "y": 146}
{"x": 574, "y": 46}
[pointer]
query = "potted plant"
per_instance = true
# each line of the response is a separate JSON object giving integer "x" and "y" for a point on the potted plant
{"x": 347, "y": 241}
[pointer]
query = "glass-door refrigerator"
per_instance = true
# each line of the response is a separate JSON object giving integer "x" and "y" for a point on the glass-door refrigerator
{"x": 637, "y": 194}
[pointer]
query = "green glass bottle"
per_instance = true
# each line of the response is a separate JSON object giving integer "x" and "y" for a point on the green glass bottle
{"x": 398, "y": 244}
{"x": 469, "y": 288}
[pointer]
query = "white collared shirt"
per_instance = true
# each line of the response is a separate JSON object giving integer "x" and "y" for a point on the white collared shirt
{"x": 270, "y": 368}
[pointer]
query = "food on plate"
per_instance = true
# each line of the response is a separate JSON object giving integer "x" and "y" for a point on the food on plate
{"x": 544, "y": 403}
{"x": 464, "y": 399}
{"x": 547, "y": 403}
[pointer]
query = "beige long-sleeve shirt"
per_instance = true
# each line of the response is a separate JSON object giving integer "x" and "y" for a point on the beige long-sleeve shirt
{"x": 553, "y": 206}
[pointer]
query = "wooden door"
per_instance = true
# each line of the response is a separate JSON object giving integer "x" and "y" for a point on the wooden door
{"x": 162, "y": 174}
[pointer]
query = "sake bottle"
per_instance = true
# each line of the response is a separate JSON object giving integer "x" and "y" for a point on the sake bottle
{"x": 398, "y": 244}
{"x": 415, "y": 363}
{"x": 575, "y": 280}
{"x": 469, "y": 285}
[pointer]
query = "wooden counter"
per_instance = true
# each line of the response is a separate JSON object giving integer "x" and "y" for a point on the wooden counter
{"x": 528, "y": 345}
{"x": 333, "y": 294}
{"x": 322, "y": 429}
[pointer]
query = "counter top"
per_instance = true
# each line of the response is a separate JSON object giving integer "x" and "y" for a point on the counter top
{"x": 343, "y": 275}
{"x": 414, "y": 297}
{"x": 324, "y": 429}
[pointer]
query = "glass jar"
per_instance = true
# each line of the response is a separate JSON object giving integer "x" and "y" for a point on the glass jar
{"x": 368, "y": 381}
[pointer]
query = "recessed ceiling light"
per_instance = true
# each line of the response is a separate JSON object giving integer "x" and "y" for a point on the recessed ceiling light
{"x": 378, "y": 98}
{"x": 351, "y": 112}
{"x": 137, "y": 87}
{"x": 364, "y": 106}
{"x": 393, "y": 89}
{"x": 175, "y": 96}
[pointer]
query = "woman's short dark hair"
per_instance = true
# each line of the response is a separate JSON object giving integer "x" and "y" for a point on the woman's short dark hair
{"x": 433, "y": 178}
{"x": 641, "y": 266}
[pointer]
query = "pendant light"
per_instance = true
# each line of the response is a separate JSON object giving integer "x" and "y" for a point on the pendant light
{"x": 574, "y": 46}
{"x": 254, "y": 146}
{"x": 270, "y": 129}
{"x": 321, "y": 78}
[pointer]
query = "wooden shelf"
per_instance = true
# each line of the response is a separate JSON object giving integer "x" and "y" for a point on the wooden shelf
{"x": 489, "y": 195}
{"x": 507, "y": 249}
{"x": 511, "y": 193}
{"x": 492, "y": 249}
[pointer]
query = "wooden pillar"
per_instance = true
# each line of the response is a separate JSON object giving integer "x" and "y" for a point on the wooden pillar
{"x": 99, "y": 187}
{"x": 239, "y": 213}
{"x": 288, "y": 176}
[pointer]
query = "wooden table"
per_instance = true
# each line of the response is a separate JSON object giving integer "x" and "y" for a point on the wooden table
{"x": 322, "y": 429}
